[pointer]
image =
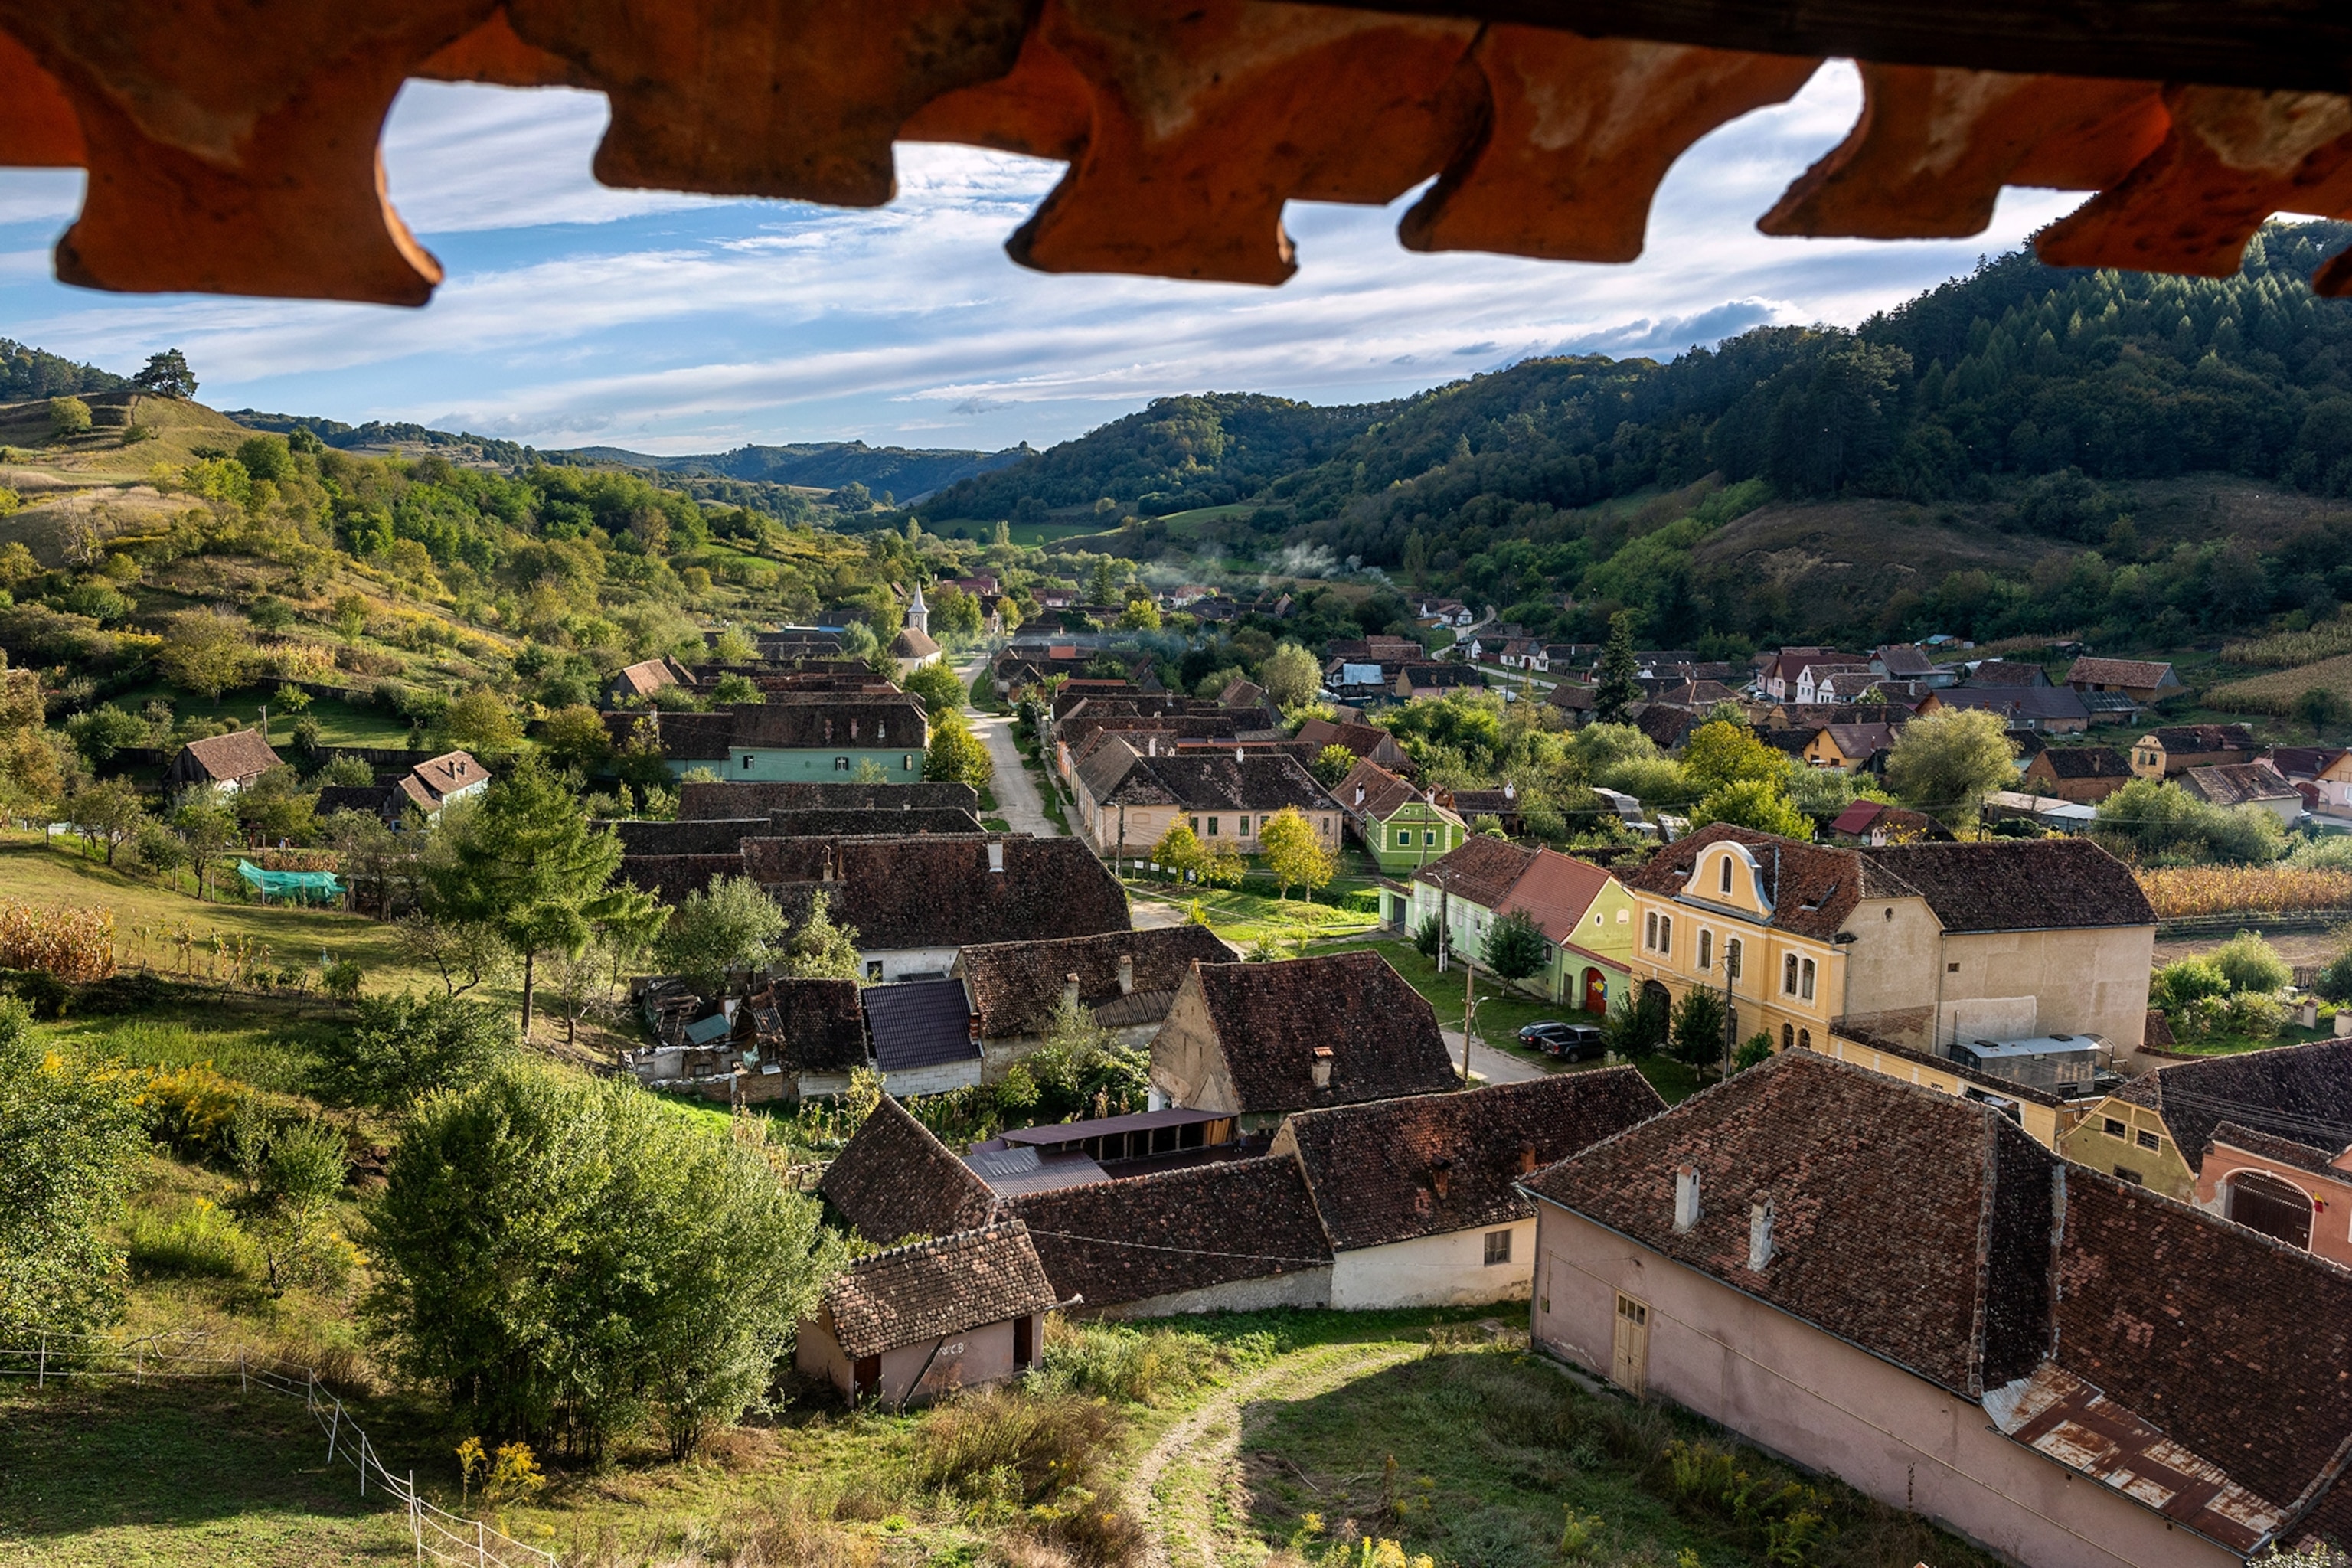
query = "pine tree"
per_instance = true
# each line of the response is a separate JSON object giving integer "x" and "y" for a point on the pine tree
{"x": 1617, "y": 690}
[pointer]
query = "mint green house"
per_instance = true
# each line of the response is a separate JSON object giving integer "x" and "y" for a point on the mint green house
{"x": 1400, "y": 827}
{"x": 827, "y": 740}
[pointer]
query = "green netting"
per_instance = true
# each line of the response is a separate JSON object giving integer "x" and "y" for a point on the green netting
{"x": 310, "y": 887}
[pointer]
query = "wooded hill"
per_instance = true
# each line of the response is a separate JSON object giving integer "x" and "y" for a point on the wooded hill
{"x": 2041, "y": 405}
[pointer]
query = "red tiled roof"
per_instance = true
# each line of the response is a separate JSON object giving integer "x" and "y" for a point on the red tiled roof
{"x": 894, "y": 1180}
{"x": 1189, "y": 1229}
{"x": 1271, "y": 1019}
{"x": 933, "y": 1289}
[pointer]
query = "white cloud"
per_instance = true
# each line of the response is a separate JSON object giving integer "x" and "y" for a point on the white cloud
{"x": 678, "y": 323}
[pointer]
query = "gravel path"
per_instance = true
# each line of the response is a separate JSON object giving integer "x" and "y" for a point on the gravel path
{"x": 1017, "y": 800}
{"x": 1175, "y": 1485}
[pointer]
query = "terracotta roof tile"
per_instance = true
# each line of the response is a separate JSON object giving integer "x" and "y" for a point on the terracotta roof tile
{"x": 2284, "y": 1151}
{"x": 1014, "y": 987}
{"x": 1481, "y": 869}
{"x": 2128, "y": 672}
{"x": 933, "y": 1289}
{"x": 894, "y": 1180}
{"x": 236, "y": 757}
{"x": 1255, "y": 782}
{"x": 2085, "y": 763}
{"x": 1812, "y": 887}
{"x": 1187, "y": 1229}
{"x": 1398, "y": 1168}
{"x": 936, "y": 892}
{"x": 2034, "y": 884}
{"x": 2237, "y": 783}
{"x": 721, "y": 798}
{"x": 2301, "y": 1091}
{"x": 1271, "y": 1018}
{"x": 830, "y": 720}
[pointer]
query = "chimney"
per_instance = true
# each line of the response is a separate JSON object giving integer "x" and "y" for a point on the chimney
{"x": 1070, "y": 989}
{"x": 1441, "y": 1175}
{"x": 1126, "y": 974}
{"x": 1359, "y": 795}
{"x": 1760, "y": 1234}
{"x": 1686, "y": 1196}
{"x": 1526, "y": 1159}
{"x": 1322, "y": 1068}
{"x": 996, "y": 855}
{"x": 828, "y": 863}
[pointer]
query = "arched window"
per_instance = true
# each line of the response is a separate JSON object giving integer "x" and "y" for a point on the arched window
{"x": 1804, "y": 1039}
{"x": 1788, "y": 1036}
{"x": 1665, "y": 933}
{"x": 1725, "y": 880}
{"x": 1650, "y": 932}
{"x": 1788, "y": 975}
{"x": 1705, "y": 950}
{"x": 1731, "y": 959}
{"x": 1805, "y": 985}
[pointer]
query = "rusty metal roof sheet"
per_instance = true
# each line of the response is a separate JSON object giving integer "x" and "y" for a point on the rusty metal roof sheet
{"x": 2061, "y": 1417}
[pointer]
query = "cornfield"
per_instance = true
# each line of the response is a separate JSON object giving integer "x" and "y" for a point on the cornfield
{"x": 2180, "y": 892}
{"x": 75, "y": 944}
{"x": 2276, "y": 692}
{"x": 2283, "y": 649}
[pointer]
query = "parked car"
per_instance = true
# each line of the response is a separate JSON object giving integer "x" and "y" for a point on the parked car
{"x": 1570, "y": 1042}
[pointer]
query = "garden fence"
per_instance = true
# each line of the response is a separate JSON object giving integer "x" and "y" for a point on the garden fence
{"x": 438, "y": 1535}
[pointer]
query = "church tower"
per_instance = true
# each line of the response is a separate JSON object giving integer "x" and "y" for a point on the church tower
{"x": 919, "y": 614}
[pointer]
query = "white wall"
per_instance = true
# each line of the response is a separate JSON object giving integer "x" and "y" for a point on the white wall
{"x": 1831, "y": 1407}
{"x": 910, "y": 962}
{"x": 1443, "y": 1270}
{"x": 936, "y": 1079}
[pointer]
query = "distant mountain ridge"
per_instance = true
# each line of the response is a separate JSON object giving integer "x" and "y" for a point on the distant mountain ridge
{"x": 909, "y": 473}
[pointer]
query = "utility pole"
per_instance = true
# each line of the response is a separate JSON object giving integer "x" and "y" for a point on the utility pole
{"x": 1469, "y": 1013}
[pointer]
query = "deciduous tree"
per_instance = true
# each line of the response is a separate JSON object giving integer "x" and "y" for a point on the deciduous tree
{"x": 730, "y": 925}
{"x": 956, "y": 754}
{"x": 397, "y": 1049}
{"x": 70, "y": 1144}
{"x": 1516, "y": 946}
{"x": 205, "y": 652}
{"x": 1291, "y": 675}
{"x": 1946, "y": 763}
{"x": 1294, "y": 854}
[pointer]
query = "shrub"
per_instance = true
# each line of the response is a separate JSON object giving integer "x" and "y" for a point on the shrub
{"x": 1006, "y": 1446}
{"x": 2186, "y": 981}
{"x": 69, "y": 1142}
{"x": 190, "y": 1108}
{"x": 2254, "y": 1016}
{"x": 2335, "y": 981}
{"x": 400, "y": 1049}
{"x": 2250, "y": 964}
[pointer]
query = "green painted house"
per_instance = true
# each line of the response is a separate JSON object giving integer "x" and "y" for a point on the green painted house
{"x": 798, "y": 737}
{"x": 1585, "y": 913}
{"x": 1398, "y": 825}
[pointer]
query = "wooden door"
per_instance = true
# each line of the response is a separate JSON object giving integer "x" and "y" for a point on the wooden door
{"x": 1629, "y": 1349}
{"x": 2260, "y": 1201}
{"x": 1596, "y": 992}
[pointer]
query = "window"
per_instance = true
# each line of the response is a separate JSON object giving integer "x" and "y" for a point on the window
{"x": 1731, "y": 959}
{"x": 1498, "y": 1247}
{"x": 1804, "y": 1039}
{"x": 2148, "y": 1139}
{"x": 1707, "y": 950}
{"x": 2113, "y": 1127}
{"x": 1787, "y": 1036}
{"x": 1429, "y": 837}
{"x": 907, "y": 763}
{"x": 1240, "y": 827}
{"x": 1951, "y": 969}
{"x": 1805, "y": 985}
{"x": 841, "y": 764}
{"x": 1404, "y": 837}
{"x": 1665, "y": 933}
{"x": 1788, "y": 975}
{"x": 2126, "y": 1174}
{"x": 747, "y": 763}
{"x": 872, "y": 969}
{"x": 1724, "y": 882}
{"x": 1650, "y": 931}
{"x": 1212, "y": 827}
{"x": 1196, "y": 827}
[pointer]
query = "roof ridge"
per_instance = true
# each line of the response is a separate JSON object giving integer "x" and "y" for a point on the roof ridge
{"x": 969, "y": 1236}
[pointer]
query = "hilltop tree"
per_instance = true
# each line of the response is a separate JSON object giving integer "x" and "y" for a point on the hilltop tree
{"x": 526, "y": 862}
{"x": 167, "y": 375}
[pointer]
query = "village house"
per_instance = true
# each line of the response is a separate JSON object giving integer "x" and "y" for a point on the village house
{"x": 825, "y": 736}
{"x": 223, "y": 762}
{"x": 800, "y": 1039}
{"x": 1127, "y": 798}
{"x": 424, "y": 789}
{"x": 1778, "y": 680}
{"x": 1814, "y": 679}
{"x": 2173, "y": 750}
{"x": 1421, "y": 680}
{"x": 2146, "y": 683}
{"x": 637, "y": 683}
{"x": 2054, "y": 1363}
{"x": 1926, "y": 943}
{"x": 1258, "y": 1041}
{"x": 1443, "y": 612}
{"x": 2157, "y": 1130}
{"x": 2323, "y": 774}
{"x": 1401, "y": 827}
{"x": 2006, "y": 672}
{"x": 1235, "y": 1234}
{"x": 1909, "y": 663}
{"x": 1369, "y": 743}
{"x": 2257, "y": 783}
{"x": 731, "y": 799}
{"x": 1124, "y": 981}
{"x": 1585, "y": 914}
{"x": 2085, "y": 774}
{"x": 1875, "y": 822}
{"x": 2047, "y": 710}
{"x": 2291, "y": 1188}
{"x": 905, "y": 1326}
{"x": 1848, "y": 748}
{"x": 923, "y": 1038}
{"x": 1420, "y": 1196}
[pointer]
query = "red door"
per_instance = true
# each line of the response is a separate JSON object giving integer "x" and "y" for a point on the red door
{"x": 1596, "y": 992}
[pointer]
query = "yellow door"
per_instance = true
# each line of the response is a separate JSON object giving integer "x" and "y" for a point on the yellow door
{"x": 1629, "y": 1349}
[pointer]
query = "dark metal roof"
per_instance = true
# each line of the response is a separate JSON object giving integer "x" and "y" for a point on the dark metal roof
{"x": 1060, "y": 1132}
{"x": 919, "y": 1024}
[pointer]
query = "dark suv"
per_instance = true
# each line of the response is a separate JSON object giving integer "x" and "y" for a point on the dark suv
{"x": 1569, "y": 1042}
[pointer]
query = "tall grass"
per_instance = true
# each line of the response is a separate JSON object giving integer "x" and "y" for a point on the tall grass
{"x": 2283, "y": 650}
{"x": 1140, "y": 1364}
{"x": 196, "y": 1241}
{"x": 2181, "y": 891}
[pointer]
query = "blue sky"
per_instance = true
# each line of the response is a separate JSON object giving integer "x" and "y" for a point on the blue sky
{"x": 574, "y": 315}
